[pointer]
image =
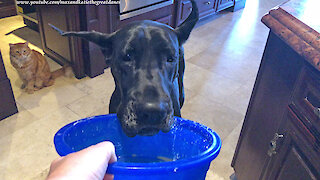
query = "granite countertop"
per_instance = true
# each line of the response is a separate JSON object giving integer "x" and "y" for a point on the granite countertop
{"x": 297, "y": 23}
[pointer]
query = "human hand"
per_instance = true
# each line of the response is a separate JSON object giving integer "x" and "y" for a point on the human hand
{"x": 88, "y": 164}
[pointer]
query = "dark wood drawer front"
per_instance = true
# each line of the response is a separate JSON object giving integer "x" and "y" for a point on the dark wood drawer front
{"x": 165, "y": 20}
{"x": 64, "y": 50}
{"x": 308, "y": 142}
{"x": 205, "y": 5}
{"x": 7, "y": 8}
{"x": 185, "y": 10}
{"x": 312, "y": 138}
{"x": 296, "y": 157}
{"x": 7, "y": 101}
{"x": 306, "y": 98}
{"x": 223, "y": 4}
{"x": 294, "y": 162}
{"x": 6, "y": 2}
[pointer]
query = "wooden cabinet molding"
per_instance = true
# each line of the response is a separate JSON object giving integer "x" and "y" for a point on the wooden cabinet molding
{"x": 7, "y": 8}
{"x": 8, "y": 105}
{"x": 61, "y": 49}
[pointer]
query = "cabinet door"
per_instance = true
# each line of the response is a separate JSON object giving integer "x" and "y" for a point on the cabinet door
{"x": 162, "y": 15}
{"x": 94, "y": 60}
{"x": 270, "y": 97}
{"x": 165, "y": 20}
{"x": 184, "y": 11}
{"x": 61, "y": 49}
{"x": 297, "y": 158}
{"x": 7, "y": 8}
{"x": 206, "y": 7}
{"x": 223, "y": 4}
{"x": 8, "y": 104}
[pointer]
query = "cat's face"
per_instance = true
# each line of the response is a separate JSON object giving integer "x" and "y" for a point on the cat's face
{"x": 19, "y": 53}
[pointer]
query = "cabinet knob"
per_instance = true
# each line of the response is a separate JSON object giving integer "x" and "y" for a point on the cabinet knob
{"x": 317, "y": 112}
{"x": 207, "y": 3}
{"x": 273, "y": 144}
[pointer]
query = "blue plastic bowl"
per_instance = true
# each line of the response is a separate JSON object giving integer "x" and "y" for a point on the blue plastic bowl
{"x": 183, "y": 153}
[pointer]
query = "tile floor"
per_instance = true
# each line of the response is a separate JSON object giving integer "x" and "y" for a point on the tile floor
{"x": 223, "y": 55}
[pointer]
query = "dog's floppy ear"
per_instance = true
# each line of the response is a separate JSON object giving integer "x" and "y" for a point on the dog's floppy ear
{"x": 101, "y": 39}
{"x": 184, "y": 30}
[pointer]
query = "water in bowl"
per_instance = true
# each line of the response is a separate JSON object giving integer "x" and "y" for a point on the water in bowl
{"x": 143, "y": 159}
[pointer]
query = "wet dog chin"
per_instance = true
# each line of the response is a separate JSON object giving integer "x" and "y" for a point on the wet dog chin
{"x": 147, "y": 131}
{"x": 144, "y": 131}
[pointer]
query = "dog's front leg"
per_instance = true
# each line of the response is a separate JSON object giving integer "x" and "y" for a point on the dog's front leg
{"x": 115, "y": 101}
{"x": 181, "y": 73}
{"x": 175, "y": 99}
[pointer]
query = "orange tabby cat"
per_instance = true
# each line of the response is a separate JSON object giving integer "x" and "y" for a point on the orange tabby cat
{"x": 32, "y": 67}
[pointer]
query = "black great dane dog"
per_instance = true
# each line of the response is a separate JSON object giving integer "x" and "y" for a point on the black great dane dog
{"x": 147, "y": 64}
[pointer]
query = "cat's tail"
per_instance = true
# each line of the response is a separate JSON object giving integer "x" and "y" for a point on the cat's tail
{"x": 66, "y": 70}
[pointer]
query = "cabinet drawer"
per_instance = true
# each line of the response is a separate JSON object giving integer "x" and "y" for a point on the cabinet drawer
{"x": 303, "y": 137}
{"x": 165, "y": 20}
{"x": 205, "y": 5}
{"x": 4, "y": 3}
{"x": 295, "y": 155}
{"x": 185, "y": 10}
{"x": 306, "y": 98}
{"x": 223, "y": 4}
{"x": 305, "y": 133}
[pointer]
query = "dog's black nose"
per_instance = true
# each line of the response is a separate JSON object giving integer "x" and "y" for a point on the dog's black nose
{"x": 152, "y": 113}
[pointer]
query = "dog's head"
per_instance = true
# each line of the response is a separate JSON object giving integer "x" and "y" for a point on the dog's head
{"x": 145, "y": 65}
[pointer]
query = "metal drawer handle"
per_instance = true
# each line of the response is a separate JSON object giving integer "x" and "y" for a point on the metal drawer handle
{"x": 273, "y": 144}
{"x": 317, "y": 112}
{"x": 313, "y": 103}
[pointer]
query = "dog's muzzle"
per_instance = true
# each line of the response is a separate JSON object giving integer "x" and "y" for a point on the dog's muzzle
{"x": 146, "y": 118}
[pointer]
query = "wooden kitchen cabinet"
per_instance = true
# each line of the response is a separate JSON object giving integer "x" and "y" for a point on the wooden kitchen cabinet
{"x": 224, "y": 4}
{"x": 62, "y": 49}
{"x": 296, "y": 152}
{"x": 166, "y": 20}
{"x": 8, "y": 105}
{"x": 206, "y": 7}
{"x": 85, "y": 57}
{"x": 267, "y": 105}
{"x": 184, "y": 7}
{"x": 165, "y": 15}
{"x": 183, "y": 10}
{"x": 280, "y": 137}
{"x": 7, "y": 8}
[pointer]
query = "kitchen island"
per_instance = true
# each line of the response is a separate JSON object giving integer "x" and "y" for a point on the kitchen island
{"x": 280, "y": 137}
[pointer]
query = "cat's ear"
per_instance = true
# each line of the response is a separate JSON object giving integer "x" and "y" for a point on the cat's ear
{"x": 11, "y": 45}
{"x": 26, "y": 44}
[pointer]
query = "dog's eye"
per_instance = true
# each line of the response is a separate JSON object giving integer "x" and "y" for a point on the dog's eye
{"x": 170, "y": 59}
{"x": 127, "y": 57}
